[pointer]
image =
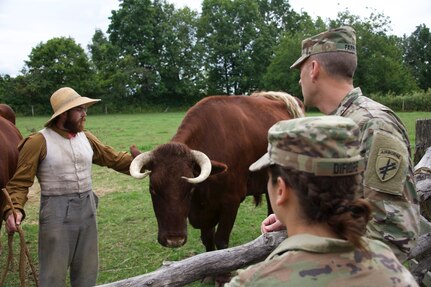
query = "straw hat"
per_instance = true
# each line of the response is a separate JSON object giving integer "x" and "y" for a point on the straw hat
{"x": 65, "y": 99}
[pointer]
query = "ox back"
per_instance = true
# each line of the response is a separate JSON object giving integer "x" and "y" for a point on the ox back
{"x": 7, "y": 113}
{"x": 9, "y": 140}
{"x": 232, "y": 132}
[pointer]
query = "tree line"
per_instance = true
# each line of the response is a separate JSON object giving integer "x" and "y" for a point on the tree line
{"x": 154, "y": 55}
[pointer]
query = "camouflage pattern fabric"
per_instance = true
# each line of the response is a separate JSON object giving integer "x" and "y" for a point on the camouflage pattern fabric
{"x": 388, "y": 180}
{"x": 309, "y": 261}
{"x": 324, "y": 146}
{"x": 342, "y": 39}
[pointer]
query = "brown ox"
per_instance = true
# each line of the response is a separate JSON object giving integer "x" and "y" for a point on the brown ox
{"x": 9, "y": 139}
{"x": 202, "y": 173}
{"x": 7, "y": 113}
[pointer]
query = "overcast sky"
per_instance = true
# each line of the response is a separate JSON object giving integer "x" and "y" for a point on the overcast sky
{"x": 26, "y": 23}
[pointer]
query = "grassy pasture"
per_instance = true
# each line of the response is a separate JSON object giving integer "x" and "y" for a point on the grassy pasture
{"x": 127, "y": 225}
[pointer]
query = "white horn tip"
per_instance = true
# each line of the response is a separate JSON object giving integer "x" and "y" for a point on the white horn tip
{"x": 192, "y": 180}
{"x": 141, "y": 175}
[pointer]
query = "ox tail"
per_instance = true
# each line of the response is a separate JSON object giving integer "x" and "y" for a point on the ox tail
{"x": 293, "y": 105}
{"x": 257, "y": 199}
{"x": 258, "y": 202}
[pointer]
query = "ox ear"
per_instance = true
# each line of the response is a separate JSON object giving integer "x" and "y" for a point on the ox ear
{"x": 218, "y": 167}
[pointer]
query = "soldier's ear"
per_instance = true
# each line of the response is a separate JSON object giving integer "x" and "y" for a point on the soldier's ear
{"x": 283, "y": 191}
{"x": 314, "y": 70}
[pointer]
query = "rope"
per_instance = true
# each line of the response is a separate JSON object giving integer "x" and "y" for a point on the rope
{"x": 9, "y": 258}
{"x": 23, "y": 253}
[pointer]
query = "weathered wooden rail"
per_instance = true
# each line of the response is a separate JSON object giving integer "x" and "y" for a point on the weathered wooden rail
{"x": 195, "y": 268}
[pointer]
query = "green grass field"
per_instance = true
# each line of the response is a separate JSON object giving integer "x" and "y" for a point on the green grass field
{"x": 127, "y": 225}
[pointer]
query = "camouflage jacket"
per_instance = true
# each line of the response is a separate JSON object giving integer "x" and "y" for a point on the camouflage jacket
{"x": 388, "y": 179}
{"x": 307, "y": 260}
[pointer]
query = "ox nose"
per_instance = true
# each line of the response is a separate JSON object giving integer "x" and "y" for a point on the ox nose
{"x": 174, "y": 242}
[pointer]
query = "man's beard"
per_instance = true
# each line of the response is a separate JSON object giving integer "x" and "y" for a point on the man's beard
{"x": 74, "y": 126}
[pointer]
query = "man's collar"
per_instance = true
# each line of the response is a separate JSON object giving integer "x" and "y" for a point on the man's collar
{"x": 63, "y": 133}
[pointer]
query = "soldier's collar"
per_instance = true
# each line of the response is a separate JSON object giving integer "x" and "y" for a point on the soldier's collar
{"x": 347, "y": 102}
{"x": 311, "y": 243}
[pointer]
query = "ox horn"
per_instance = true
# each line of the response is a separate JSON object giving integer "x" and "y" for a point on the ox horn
{"x": 137, "y": 164}
{"x": 205, "y": 164}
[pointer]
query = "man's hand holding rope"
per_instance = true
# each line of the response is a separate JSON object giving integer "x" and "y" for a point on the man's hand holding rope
{"x": 12, "y": 222}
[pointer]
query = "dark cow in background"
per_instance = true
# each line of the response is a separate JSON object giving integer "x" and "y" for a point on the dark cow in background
{"x": 7, "y": 113}
{"x": 9, "y": 140}
{"x": 202, "y": 173}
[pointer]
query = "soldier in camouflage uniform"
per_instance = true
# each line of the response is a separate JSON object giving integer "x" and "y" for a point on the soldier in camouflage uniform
{"x": 315, "y": 169}
{"x": 327, "y": 65}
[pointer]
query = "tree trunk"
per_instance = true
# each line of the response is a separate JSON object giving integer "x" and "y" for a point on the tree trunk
{"x": 206, "y": 264}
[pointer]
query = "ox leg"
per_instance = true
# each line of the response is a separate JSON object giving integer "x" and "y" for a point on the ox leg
{"x": 222, "y": 235}
{"x": 224, "y": 228}
{"x": 207, "y": 237}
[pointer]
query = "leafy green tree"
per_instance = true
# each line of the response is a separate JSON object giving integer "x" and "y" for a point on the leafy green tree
{"x": 417, "y": 55}
{"x": 279, "y": 18}
{"x": 132, "y": 31}
{"x": 20, "y": 98}
{"x": 58, "y": 62}
{"x": 186, "y": 58}
{"x": 164, "y": 47}
{"x": 103, "y": 57}
{"x": 279, "y": 76}
{"x": 114, "y": 74}
{"x": 180, "y": 63}
{"x": 239, "y": 37}
{"x": 4, "y": 79}
{"x": 217, "y": 32}
{"x": 8, "y": 91}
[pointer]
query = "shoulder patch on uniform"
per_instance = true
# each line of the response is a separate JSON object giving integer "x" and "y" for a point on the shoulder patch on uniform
{"x": 387, "y": 164}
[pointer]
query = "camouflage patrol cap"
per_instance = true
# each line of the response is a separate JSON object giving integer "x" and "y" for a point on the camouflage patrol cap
{"x": 342, "y": 39}
{"x": 324, "y": 146}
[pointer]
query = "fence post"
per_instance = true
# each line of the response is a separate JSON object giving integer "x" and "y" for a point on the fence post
{"x": 422, "y": 161}
{"x": 423, "y": 138}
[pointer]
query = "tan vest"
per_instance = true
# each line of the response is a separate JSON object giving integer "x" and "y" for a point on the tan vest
{"x": 67, "y": 166}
